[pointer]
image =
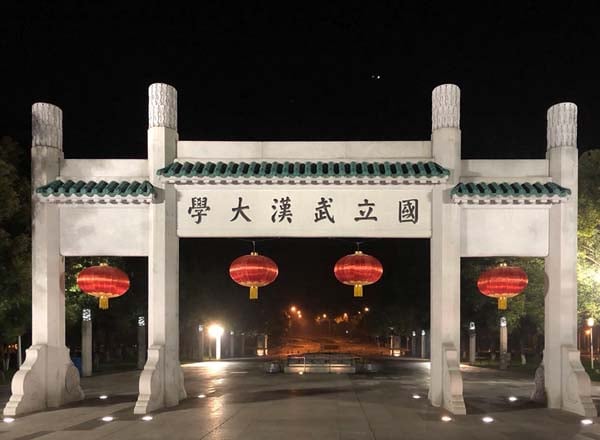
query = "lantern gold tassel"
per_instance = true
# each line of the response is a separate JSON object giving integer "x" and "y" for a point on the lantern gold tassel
{"x": 358, "y": 290}
{"x": 253, "y": 292}
{"x": 502, "y": 303}
{"x": 104, "y": 302}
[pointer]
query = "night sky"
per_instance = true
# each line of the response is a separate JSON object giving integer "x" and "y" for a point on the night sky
{"x": 313, "y": 72}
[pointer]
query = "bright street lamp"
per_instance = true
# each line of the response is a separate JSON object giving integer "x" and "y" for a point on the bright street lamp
{"x": 216, "y": 331}
{"x": 293, "y": 309}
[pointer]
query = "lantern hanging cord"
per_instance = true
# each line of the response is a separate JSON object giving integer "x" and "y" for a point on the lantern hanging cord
{"x": 254, "y": 241}
{"x": 358, "y": 243}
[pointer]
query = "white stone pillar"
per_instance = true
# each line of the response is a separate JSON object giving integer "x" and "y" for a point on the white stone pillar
{"x": 231, "y": 344}
{"x": 19, "y": 351}
{"x": 201, "y": 342}
{"x": 47, "y": 378}
{"x": 446, "y": 382}
{"x": 472, "y": 343}
{"x": 86, "y": 343}
{"x": 567, "y": 384}
{"x": 503, "y": 344}
{"x": 141, "y": 340}
{"x": 161, "y": 382}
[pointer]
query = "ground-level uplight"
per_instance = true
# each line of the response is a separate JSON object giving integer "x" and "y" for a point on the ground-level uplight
{"x": 446, "y": 419}
{"x": 108, "y": 418}
{"x": 487, "y": 419}
{"x": 512, "y": 399}
{"x": 103, "y": 397}
{"x": 416, "y": 396}
{"x": 300, "y": 373}
{"x": 8, "y": 420}
{"x": 147, "y": 418}
{"x": 587, "y": 421}
{"x": 201, "y": 396}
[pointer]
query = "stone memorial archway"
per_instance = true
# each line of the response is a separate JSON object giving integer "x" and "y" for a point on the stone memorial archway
{"x": 229, "y": 189}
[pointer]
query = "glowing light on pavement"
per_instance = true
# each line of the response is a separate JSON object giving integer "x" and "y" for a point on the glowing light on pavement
{"x": 446, "y": 419}
{"x": 512, "y": 399}
{"x": 8, "y": 420}
{"x": 103, "y": 397}
{"x": 147, "y": 418}
{"x": 487, "y": 419}
{"x": 107, "y": 419}
{"x": 586, "y": 422}
{"x": 416, "y": 396}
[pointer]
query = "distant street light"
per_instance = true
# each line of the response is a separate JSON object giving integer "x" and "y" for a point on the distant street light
{"x": 367, "y": 309}
{"x": 216, "y": 331}
{"x": 293, "y": 309}
{"x": 324, "y": 315}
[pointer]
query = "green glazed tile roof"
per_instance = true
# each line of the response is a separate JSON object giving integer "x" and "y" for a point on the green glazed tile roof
{"x": 525, "y": 190}
{"x": 303, "y": 170}
{"x": 98, "y": 189}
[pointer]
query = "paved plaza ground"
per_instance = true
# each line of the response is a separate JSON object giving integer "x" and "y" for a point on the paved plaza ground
{"x": 239, "y": 401}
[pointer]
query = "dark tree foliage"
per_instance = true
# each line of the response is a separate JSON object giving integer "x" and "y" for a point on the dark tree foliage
{"x": 15, "y": 241}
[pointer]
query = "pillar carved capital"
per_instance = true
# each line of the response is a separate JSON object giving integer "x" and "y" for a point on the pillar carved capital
{"x": 46, "y": 126}
{"x": 562, "y": 125}
{"x": 162, "y": 106}
{"x": 445, "y": 107}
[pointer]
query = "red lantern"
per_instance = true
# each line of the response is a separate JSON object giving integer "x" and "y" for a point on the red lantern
{"x": 253, "y": 271}
{"x": 502, "y": 282}
{"x": 358, "y": 270}
{"x": 104, "y": 282}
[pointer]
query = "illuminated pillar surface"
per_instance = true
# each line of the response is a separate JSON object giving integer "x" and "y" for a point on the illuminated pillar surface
{"x": 47, "y": 378}
{"x": 161, "y": 382}
{"x": 567, "y": 384}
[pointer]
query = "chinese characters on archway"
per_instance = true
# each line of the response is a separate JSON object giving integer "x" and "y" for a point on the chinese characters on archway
{"x": 282, "y": 210}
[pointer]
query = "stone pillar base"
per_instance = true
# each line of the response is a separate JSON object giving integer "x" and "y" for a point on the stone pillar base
{"x": 452, "y": 384}
{"x": 47, "y": 379}
{"x": 161, "y": 382}
{"x": 576, "y": 385}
